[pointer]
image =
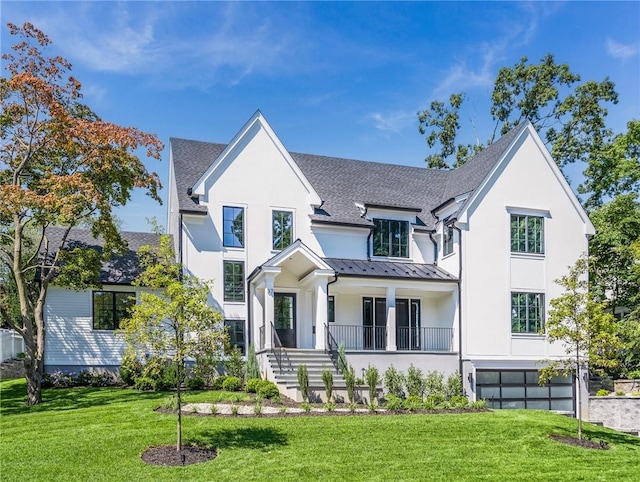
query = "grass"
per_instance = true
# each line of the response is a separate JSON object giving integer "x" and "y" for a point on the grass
{"x": 99, "y": 434}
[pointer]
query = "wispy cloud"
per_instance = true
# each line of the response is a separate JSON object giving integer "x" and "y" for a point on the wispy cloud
{"x": 394, "y": 121}
{"x": 621, "y": 51}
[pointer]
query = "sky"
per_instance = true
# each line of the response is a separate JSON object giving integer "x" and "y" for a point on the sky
{"x": 339, "y": 79}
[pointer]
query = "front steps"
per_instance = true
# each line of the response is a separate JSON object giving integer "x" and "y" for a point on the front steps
{"x": 316, "y": 361}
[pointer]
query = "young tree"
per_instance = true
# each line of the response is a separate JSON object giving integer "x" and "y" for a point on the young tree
{"x": 172, "y": 319}
{"x": 60, "y": 164}
{"x": 586, "y": 330}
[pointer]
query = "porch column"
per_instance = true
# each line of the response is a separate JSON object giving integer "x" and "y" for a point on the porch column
{"x": 268, "y": 312}
{"x": 257, "y": 317}
{"x": 320, "y": 288}
{"x": 392, "y": 344}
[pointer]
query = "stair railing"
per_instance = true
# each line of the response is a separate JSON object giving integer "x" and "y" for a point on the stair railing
{"x": 279, "y": 352}
{"x": 331, "y": 349}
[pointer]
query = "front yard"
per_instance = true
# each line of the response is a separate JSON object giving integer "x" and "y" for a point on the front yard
{"x": 100, "y": 434}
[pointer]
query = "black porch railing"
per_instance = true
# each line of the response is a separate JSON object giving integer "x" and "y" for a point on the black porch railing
{"x": 280, "y": 353}
{"x": 359, "y": 337}
{"x": 424, "y": 339}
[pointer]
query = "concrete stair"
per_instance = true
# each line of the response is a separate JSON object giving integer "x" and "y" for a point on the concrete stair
{"x": 316, "y": 361}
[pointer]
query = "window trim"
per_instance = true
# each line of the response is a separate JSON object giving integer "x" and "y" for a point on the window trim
{"x": 527, "y": 322}
{"x": 389, "y": 245}
{"x": 224, "y": 278}
{"x": 130, "y": 294}
{"x": 242, "y": 244}
{"x": 527, "y": 215}
{"x": 447, "y": 240}
{"x": 293, "y": 224}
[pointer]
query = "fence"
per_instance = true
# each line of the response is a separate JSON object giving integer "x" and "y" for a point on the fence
{"x": 10, "y": 344}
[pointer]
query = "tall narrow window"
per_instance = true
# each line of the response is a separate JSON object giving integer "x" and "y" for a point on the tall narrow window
{"x": 233, "y": 227}
{"x": 109, "y": 307}
{"x": 235, "y": 330}
{"x": 447, "y": 246}
{"x": 282, "y": 229}
{"x": 527, "y": 234}
{"x": 527, "y": 312}
{"x": 391, "y": 238}
{"x": 331, "y": 309}
{"x": 233, "y": 281}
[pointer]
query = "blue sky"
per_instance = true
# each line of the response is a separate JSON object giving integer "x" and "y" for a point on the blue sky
{"x": 339, "y": 79}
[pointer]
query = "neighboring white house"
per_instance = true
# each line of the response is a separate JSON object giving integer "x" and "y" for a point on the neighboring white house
{"x": 446, "y": 270}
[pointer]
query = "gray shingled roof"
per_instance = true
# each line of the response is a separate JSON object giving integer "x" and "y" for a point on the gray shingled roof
{"x": 122, "y": 269}
{"x": 388, "y": 269}
{"x": 341, "y": 183}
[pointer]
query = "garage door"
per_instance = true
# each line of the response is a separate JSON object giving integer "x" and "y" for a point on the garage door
{"x": 520, "y": 389}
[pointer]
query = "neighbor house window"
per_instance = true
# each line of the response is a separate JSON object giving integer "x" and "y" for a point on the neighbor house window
{"x": 331, "y": 309}
{"x": 391, "y": 238}
{"x": 282, "y": 229}
{"x": 109, "y": 307}
{"x": 233, "y": 227}
{"x": 527, "y": 234}
{"x": 447, "y": 246}
{"x": 235, "y": 331}
{"x": 233, "y": 281}
{"x": 527, "y": 312}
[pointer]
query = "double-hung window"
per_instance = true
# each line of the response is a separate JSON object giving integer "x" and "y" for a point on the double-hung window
{"x": 109, "y": 307}
{"x": 527, "y": 234}
{"x": 233, "y": 281}
{"x": 391, "y": 238}
{"x": 282, "y": 229}
{"x": 233, "y": 227}
{"x": 527, "y": 312}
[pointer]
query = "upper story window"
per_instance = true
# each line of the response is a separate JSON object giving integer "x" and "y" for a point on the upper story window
{"x": 233, "y": 280}
{"x": 282, "y": 229}
{"x": 447, "y": 245}
{"x": 527, "y": 234}
{"x": 233, "y": 227}
{"x": 391, "y": 238}
{"x": 527, "y": 312}
{"x": 109, "y": 307}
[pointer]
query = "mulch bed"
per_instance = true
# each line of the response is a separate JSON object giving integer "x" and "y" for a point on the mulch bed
{"x": 584, "y": 443}
{"x": 168, "y": 455}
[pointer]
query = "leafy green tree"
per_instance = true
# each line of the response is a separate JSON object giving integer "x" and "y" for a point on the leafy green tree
{"x": 172, "y": 319}
{"x": 585, "y": 329}
{"x": 570, "y": 116}
{"x": 60, "y": 165}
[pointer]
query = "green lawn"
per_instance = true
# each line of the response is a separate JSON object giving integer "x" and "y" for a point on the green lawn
{"x": 99, "y": 434}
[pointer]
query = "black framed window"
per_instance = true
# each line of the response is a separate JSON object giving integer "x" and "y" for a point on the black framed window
{"x": 235, "y": 331}
{"x": 109, "y": 307}
{"x": 233, "y": 281}
{"x": 282, "y": 229}
{"x": 447, "y": 246}
{"x": 527, "y": 234}
{"x": 527, "y": 312}
{"x": 391, "y": 238}
{"x": 233, "y": 227}
{"x": 331, "y": 309}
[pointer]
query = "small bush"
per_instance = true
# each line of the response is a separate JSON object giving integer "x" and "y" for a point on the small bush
{"x": 130, "y": 369}
{"x": 252, "y": 385}
{"x": 393, "y": 402}
{"x": 453, "y": 386}
{"x": 413, "y": 403}
{"x": 303, "y": 381}
{"x": 218, "y": 382}
{"x": 232, "y": 384}
{"x": 415, "y": 382}
{"x": 633, "y": 375}
{"x": 458, "y": 401}
{"x": 251, "y": 369}
{"x": 145, "y": 384}
{"x": 635, "y": 394}
{"x": 234, "y": 364}
{"x": 372, "y": 376}
{"x": 620, "y": 393}
{"x": 394, "y": 382}
{"x": 171, "y": 403}
{"x": 353, "y": 407}
{"x": 267, "y": 389}
{"x": 306, "y": 406}
{"x": 341, "y": 363}
{"x": 436, "y": 400}
{"x": 482, "y": 403}
{"x": 195, "y": 383}
{"x": 257, "y": 408}
{"x": 329, "y": 406}
{"x": 327, "y": 379}
{"x": 213, "y": 409}
{"x": 350, "y": 382}
{"x": 434, "y": 383}
{"x": 234, "y": 410}
{"x": 602, "y": 393}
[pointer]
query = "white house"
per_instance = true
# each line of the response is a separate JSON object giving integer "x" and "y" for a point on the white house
{"x": 446, "y": 270}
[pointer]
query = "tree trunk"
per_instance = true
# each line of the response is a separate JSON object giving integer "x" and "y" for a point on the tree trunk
{"x": 179, "y": 396}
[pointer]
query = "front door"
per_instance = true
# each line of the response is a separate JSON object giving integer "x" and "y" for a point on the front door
{"x": 408, "y": 324}
{"x": 284, "y": 308}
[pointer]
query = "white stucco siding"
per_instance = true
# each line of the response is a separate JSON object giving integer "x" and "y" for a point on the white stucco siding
{"x": 173, "y": 215}
{"x": 525, "y": 184}
{"x": 71, "y": 339}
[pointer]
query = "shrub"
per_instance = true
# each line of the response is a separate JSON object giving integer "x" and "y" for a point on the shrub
{"x": 303, "y": 381}
{"x": 154, "y": 368}
{"x": 394, "y": 402}
{"x": 171, "y": 403}
{"x": 634, "y": 375}
{"x": 602, "y": 393}
{"x": 195, "y": 383}
{"x": 232, "y": 384}
{"x": 327, "y": 379}
{"x": 458, "y": 401}
{"x": 252, "y": 385}
{"x": 342, "y": 364}
{"x": 251, "y": 369}
{"x": 213, "y": 409}
{"x": 267, "y": 389}
{"x": 372, "y": 376}
{"x": 234, "y": 410}
{"x": 130, "y": 369}
{"x": 350, "y": 382}
{"x": 257, "y": 408}
{"x": 620, "y": 393}
{"x": 415, "y": 382}
{"x": 482, "y": 403}
{"x": 306, "y": 406}
{"x": 218, "y": 382}
{"x": 413, "y": 403}
{"x": 635, "y": 394}
{"x": 453, "y": 387}
{"x": 353, "y": 407}
{"x": 329, "y": 406}
{"x": 435, "y": 400}
{"x": 434, "y": 383}
{"x": 145, "y": 384}
{"x": 234, "y": 364}
{"x": 394, "y": 382}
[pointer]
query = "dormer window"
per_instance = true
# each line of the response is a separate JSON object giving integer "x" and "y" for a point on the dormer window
{"x": 447, "y": 245}
{"x": 391, "y": 238}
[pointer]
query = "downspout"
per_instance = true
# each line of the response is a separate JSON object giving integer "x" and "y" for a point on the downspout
{"x": 180, "y": 243}
{"x": 369, "y": 243}
{"x": 459, "y": 295}
{"x": 435, "y": 249}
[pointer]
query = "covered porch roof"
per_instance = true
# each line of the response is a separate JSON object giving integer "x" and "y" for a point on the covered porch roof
{"x": 388, "y": 269}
